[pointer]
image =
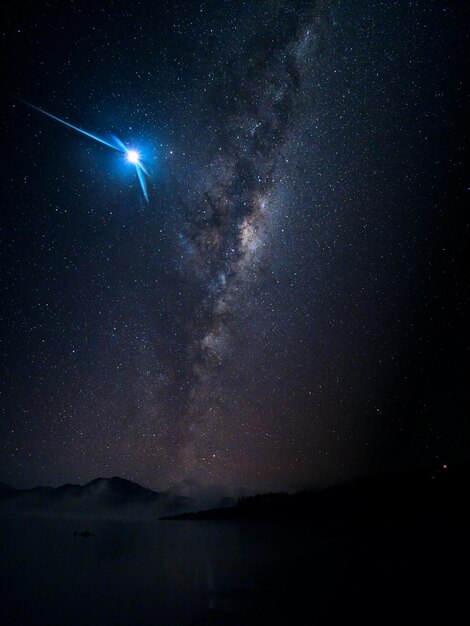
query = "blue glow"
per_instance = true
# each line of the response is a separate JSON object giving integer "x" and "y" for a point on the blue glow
{"x": 143, "y": 168}
{"x": 84, "y": 132}
{"x": 142, "y": 181}
{"x": 132, "y": 155}
{"x": 121, "y": 147}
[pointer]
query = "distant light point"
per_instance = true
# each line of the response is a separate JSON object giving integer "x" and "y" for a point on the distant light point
{"x": 133, "y": 156}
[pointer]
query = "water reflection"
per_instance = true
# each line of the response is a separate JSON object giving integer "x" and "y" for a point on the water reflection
{"x": 135, "y": 573}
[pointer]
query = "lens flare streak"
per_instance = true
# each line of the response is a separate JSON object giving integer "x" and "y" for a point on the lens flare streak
{"x": 143, "y": 184}
{"x": 132, "y": 156}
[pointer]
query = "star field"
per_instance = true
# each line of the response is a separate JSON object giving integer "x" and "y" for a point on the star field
{"x": 287, "y": 309}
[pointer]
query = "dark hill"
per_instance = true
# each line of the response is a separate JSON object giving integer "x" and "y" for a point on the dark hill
{"x": 117, "y": 488}
{"x": 439, "y": 489}
{"x": 6, "y": 490}
{"x": 100, "y": 496}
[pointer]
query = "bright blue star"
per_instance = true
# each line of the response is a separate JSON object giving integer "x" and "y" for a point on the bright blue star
{"x": 131, "y": 155}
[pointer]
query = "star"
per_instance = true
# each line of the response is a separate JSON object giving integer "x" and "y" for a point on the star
{"x": 133, "y": 156}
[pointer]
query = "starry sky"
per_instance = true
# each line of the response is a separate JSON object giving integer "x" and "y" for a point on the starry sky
{"x": 288, "y": 308}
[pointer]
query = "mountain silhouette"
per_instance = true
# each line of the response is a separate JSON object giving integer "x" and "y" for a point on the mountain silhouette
{"x": 100, "y": 496}
{"x": 6, "y": 490}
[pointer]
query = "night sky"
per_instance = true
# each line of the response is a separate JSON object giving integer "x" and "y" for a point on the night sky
{"x": 288, "y": 309}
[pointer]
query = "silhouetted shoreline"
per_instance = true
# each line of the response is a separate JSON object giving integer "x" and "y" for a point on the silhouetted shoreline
{"x": 433, "y": 490}
{"x": 385, "y": 550}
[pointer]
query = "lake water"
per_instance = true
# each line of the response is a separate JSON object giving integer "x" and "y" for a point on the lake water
{"x": 165, "y": 573}
{"x": 158, "y": 573}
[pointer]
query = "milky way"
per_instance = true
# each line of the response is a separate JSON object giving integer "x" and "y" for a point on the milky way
{"x": 287, "y": 309}
{"x": 235, "y": 206}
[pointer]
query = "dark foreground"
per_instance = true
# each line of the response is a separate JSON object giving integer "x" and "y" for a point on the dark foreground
{"x": 373, "y": 553}
{"x": 171, "y": 574}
